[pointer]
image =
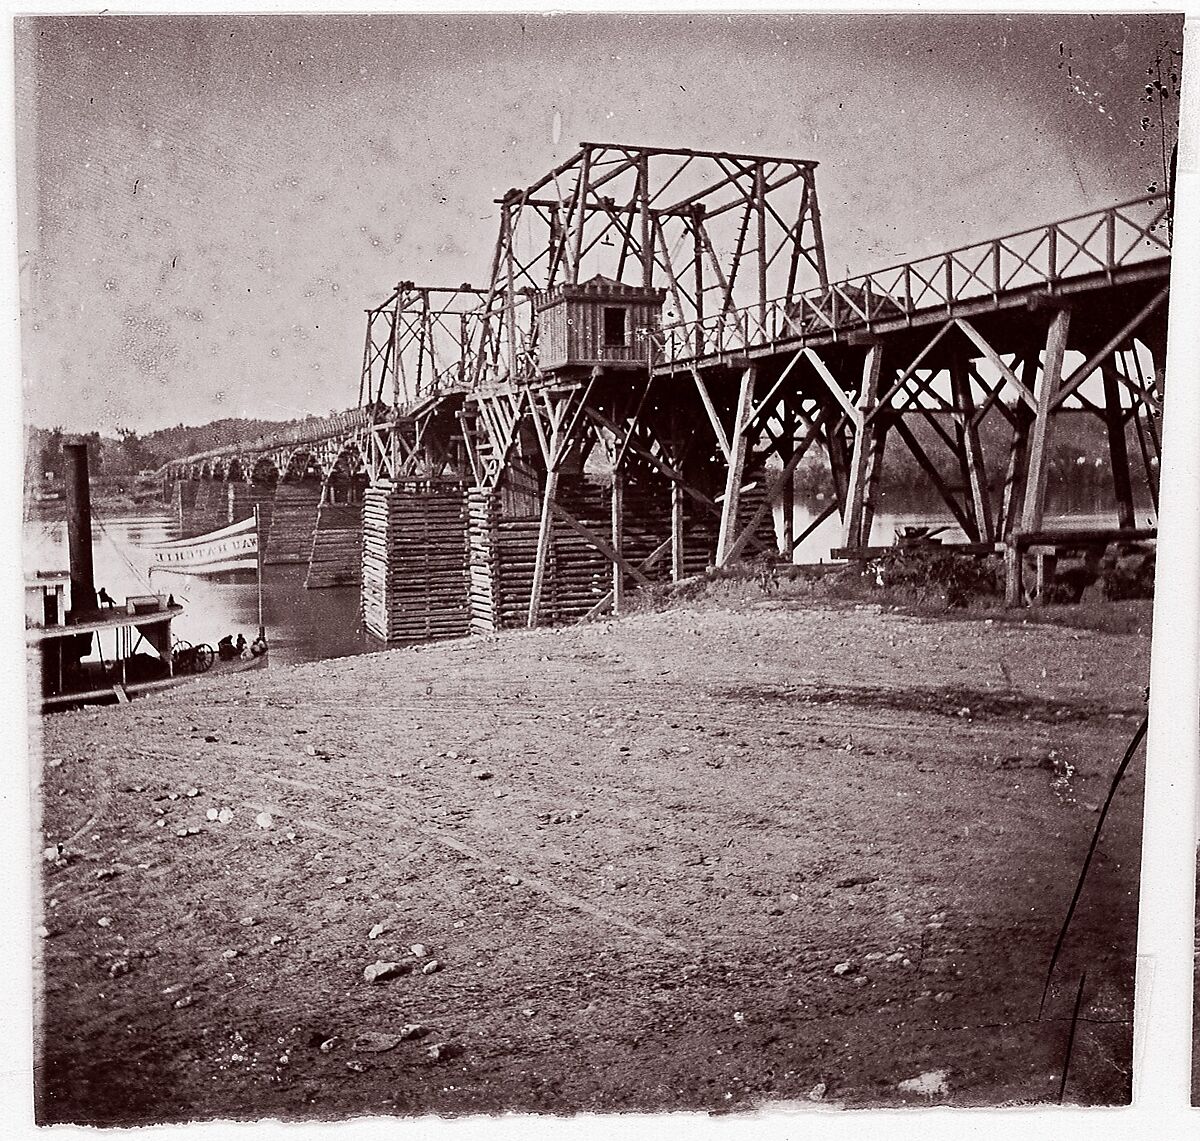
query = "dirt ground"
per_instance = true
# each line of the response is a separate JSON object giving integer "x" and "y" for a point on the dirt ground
{"x": 742, "y": 852}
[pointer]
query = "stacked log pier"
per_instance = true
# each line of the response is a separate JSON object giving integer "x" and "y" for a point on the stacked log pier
{"x": 293, "y": 520}
{"x": 414, "y": 560}
{"x": 208, "y": 508}
{"x": 337, "y": 546}
{"x": 244, "y": 497}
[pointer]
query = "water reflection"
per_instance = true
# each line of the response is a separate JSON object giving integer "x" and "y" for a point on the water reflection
{"x": 302, "y": 625}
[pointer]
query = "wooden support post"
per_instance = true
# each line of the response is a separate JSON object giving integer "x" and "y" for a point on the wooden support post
{"x": 970, "y": 448}
{"x": 1042, "y": 435}
{"x": 545, "y": 534}
{"x": 1114, "y": 420}
{"x": 618, "y": 527}
{"x": 1012, "y": 573}
{"x": 1015, "y": 476}
{"x": 879, "y": 428}
{"x": 677, "y": 572}
{"x": 788, "y": 489}
{"x": 738, "y": 445}
{"x": 863, "y": 437}
{"x": 1045, "y": 567}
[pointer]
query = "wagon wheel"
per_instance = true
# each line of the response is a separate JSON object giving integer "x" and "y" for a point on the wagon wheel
{"x": 182, "y": 655}
{"x": 204, "y": 657}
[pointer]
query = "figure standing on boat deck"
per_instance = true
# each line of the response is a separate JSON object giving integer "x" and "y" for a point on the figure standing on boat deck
{"x": 104, "y": 598}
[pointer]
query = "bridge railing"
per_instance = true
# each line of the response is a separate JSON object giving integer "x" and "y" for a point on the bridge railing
{"x": 306, "y": 432}
{"x": 1100, "y": 242}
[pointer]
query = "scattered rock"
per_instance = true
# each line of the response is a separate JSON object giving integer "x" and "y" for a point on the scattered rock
{"x": 339, "y": 880}
{"x": 377, "y": 930}
{"x": 104, "y": 921}
{"x": 932, "y": 1083}
{"x": 231, "y": 953}
{"x": 380, "y": 971}
{"x": 180, "y": 1003}
{"x": 248, "y": 921}
{"x": 895, "y": 956}
{"x": 861, "y": 980}
{"x": 192, "y": 792}
{"x": 484, "y": 775}
{"x": 855, "y": 881}
{"x": 118, "y": 968}
{"x": 430, "y": 967}
{"x": 212, "y": 814}
{"x": 873, "y": 956}
{"x": 265, "y": 820}
{"x": 442, "y": 1051}
{"x": 418, "y": 950}
{"x": 330, "y": 1044}
{"x": 211, "y": 739}
{"x": 512, "y": 880}
{"x": 843, "y": 968}
{"x": 357, "y": 1066}
{"x": 817, "y": 1093}
{"x": 276, "y": 940}
{"x": 412, "y": 1030}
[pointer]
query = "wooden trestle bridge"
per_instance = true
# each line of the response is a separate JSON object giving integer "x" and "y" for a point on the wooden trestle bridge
{"x": 657, "y": 349}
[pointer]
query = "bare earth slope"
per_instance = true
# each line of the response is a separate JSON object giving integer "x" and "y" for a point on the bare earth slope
{"x": 707, "y": 858}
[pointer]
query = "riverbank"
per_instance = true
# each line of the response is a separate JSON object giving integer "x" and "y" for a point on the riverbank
{"x": 744, "y": 851}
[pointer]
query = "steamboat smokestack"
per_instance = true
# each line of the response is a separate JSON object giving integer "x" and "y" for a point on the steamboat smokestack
{"x": 79, "y": 525}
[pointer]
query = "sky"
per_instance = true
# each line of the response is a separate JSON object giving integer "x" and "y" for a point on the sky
{"x": 206, "y": 205}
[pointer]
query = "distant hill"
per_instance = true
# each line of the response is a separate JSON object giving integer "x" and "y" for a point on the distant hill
{"x": 182, "y": 440}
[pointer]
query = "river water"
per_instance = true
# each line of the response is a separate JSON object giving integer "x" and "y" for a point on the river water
{"x": 306, "y": 625}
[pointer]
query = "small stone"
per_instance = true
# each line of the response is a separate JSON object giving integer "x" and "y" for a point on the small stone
{"x": 339, "y": 879}
{"x": 104, "y": 921}
{"x": 311, "y": 750}
{"x": 380, "y": 971}
{"x": 212, "y": 814}
{"x": 452, "y": 755}
{"x": 932, "y": 1083}
{"x": 265, "y": 820}
{"x": 357, "y": 1066}
{"x": 442, "y": 1051}
{"x": 283, "y": 1059}
{"x": 484, "y": 775}
{"x": 843, "y": 968}
{"x": 412, "y": 1030}
{"x": 418, "y": 950}
{"x": 180, "y": 1003}
{"x": 211, "y": 739}
{"x": 377, "y": 930}
{"x": 231, "y": 953}
{"x": 817, "y": 1093}
{"x": 247, "y": 921}
{"x": 329, "y": 1044}
{"x": 855, "y": 881}
{"x": 192, "y": 792}
{"x": 430, "y": 967}
{"x": 276, "y": 940}
{"x": 512, "y": 880}
{"x": 225, "y": 815}
{"x": 861, "y": 980}
{"x": 118, "y": 968}
{"x": 43, "y": 932}
{"x": 895, "y": 956}
{"x": 873, "y": 956}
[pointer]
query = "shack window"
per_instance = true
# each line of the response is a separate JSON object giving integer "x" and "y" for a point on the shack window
{"x": 614, "y": 328}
